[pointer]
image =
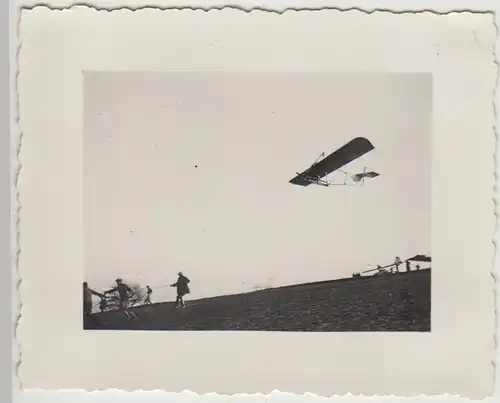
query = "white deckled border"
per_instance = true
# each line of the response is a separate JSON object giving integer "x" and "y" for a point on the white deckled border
{"x": 485, "y": 168}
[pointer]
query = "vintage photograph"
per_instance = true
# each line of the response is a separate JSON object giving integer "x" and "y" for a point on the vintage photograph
{"x": 301, "y": 200}
{"x": 257, "y": 201}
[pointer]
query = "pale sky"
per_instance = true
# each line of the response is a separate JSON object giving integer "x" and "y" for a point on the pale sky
{"x": 234, "y": 221}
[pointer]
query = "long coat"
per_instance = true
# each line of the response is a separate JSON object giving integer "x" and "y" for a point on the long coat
{"x": 182, "y": 285}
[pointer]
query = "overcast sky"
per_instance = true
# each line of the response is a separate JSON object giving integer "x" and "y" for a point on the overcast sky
{"x": 189, "y": 172}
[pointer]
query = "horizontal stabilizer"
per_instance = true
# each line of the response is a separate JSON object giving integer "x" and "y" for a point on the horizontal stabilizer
{"x": 360, "y": 176}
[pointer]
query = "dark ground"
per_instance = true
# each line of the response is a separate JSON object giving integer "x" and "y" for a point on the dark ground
{"x": 399, "y": 302}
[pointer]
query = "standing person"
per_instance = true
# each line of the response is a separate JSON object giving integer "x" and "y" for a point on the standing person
{"x": 397, "y": 262}
{"x": 182, "y": 288}
{"x": 87, "y": 299}
{"x": 123, "y": 293}
{"x": 103, "y": 304}
{"x": 149, "y": 291}
{"x": 408, "y": 268}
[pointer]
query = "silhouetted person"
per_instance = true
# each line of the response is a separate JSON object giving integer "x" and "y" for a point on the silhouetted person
{"x": 103, "y": 304}
{"x": 149, "y": 291}
{"x": 418, "y": 267}
{"x": 397, "y": 262}
{"x": 182, "y": 288}
{"x": 408, "y": 268}
{"x": 123, "y": 294}
{"x": 87, "y": 299}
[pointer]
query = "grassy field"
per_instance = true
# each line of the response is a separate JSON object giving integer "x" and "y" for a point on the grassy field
{"x": 401, "y": 302}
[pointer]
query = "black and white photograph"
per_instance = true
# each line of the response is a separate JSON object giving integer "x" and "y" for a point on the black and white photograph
{"x": 302, "y": 201}
{"x": 257, "y": 201}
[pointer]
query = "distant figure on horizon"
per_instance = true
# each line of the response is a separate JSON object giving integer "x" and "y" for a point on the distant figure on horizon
{"x": 397, "y": 262}
{"x": 149, "y": 291}
{"x": 408, "y": 268}
{"x": 87, "y": 299}
{"x": 123, "y": 293}
{"x": 182, "y": 288}
{"x": 418, "y": 267}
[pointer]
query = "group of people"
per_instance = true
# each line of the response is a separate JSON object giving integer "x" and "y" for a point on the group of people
{"x": 398, "y": 262}
{"x": 125, "y": 292}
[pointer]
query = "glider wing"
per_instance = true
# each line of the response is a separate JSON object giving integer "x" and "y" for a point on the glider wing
{"x": 336, "y": 160}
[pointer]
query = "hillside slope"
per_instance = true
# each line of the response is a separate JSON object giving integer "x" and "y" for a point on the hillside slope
{"x": 400, "y": 302}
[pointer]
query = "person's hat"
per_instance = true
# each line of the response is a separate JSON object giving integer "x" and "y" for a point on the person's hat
{"x": 119, "y": 280}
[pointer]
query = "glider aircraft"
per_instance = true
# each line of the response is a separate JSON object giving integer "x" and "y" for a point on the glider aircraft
{"x": 381, "y": 269}
{"x": 333, "y": 162}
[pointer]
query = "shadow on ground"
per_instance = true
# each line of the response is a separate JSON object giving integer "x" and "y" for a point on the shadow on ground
{"x": 400, "y": 302}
